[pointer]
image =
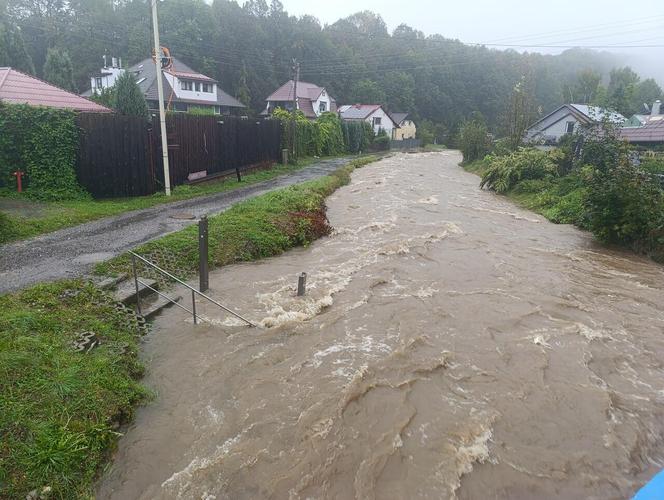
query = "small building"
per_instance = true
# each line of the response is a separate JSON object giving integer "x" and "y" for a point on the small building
{"x": 406, "y": 127}
{"x": 374, "y": 114}
{"x": 17, "y": 87}
{"x": 568, "y": 119}
{"x": 312, "y": 100}
{"x": 184, "y": 88}
{"x": 650, "y": 133}
{"x": 654, "y": 112}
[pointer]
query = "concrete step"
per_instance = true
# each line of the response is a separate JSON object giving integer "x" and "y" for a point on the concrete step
{"x": 126, "y": 291}
{"x": 150, "y": 310}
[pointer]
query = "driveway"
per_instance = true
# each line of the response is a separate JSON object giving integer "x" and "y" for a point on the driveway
{"x": 72, "y": 252}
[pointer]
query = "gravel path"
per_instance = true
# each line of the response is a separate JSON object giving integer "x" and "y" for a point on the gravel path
{"x": 72, "y": 252}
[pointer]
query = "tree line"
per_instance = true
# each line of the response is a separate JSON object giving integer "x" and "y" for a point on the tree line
{"x": 249, "y": 49}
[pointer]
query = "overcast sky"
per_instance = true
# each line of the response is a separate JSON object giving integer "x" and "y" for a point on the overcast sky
{"x": 518, "y": 22}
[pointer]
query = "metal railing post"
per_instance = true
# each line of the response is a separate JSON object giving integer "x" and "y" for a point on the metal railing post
{"x": 203, "y": 271}
{"x": 138, "y": 295}
{"x": 193, "y": 306}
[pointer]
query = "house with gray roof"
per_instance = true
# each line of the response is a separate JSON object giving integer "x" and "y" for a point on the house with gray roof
{"x": 568, "y": 119}
{"x": 373, "y": 114}
{"x": 184, "y": 88}
{"x": 312, "y": 99}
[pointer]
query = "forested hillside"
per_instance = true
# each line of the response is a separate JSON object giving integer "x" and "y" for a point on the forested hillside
{"x": 250, "y": 48}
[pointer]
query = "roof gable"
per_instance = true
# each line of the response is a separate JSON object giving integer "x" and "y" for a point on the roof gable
{"x": 17, "y": 87}
{"x": 305, "y": 90}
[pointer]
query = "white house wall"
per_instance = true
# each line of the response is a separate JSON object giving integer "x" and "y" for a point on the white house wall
{"x": 386, "y": 123}
{"x": 191, "y": 94}
{"x": 554, "y": 126}
{"x": 324, "y": 97}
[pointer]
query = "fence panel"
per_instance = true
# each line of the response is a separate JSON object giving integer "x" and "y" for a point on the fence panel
{"x": 405, "y": 144}
{"x": 121, "y": 155}
{"x": 114, "y": 155}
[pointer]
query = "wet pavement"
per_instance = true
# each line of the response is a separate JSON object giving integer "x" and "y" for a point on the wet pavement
{"x": 73, "y": 251}
{"x": 450, "y": 345}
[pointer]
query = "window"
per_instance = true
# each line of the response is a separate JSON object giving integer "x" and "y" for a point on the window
{"x": 322, "y": 107}
{"x": 198, "y": 86}
{"x": 186, "y": 85}
{"x": 376, "y": 121}
{"x": 98, "y": 82}
{"x": 207, "y": 87}
{"x": 569, "y": 128}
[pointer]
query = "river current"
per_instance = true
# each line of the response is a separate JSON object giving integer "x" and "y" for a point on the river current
{"x": 450, "y": 345}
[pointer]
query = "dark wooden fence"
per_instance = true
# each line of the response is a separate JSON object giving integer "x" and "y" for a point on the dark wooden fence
{"x": 121, "y": 156}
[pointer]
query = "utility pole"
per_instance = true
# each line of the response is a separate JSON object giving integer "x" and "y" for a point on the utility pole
{"x": 160, "y": 92}
{"x": 296, "y": 70}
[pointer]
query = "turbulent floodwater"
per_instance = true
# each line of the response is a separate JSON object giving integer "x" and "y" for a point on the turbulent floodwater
{"x": 451, "y": 345}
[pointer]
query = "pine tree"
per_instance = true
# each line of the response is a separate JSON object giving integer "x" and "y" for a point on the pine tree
{"x": 129, "y": 100}
{"x": 59, "y": 70}
{"x": 13, "y": 52}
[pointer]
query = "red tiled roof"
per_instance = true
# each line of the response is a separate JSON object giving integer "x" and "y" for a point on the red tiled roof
{"x": 18, "y": 88}
{"x": 653, "y": 131}
{"x": 357, "y": 111}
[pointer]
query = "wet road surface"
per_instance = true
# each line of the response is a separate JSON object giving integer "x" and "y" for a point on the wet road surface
{"x": 73, "y": 251}
{"x": 450, "y": 345}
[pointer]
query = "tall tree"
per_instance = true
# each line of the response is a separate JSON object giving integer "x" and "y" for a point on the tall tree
{"x": 242, "y": 92}
{"x": 367, "y": 92}
{"x": 521, "y": 111}
{"x": 622, "y": 89}
{"x": 58, "y": 69}
{"x": 129, "y": 99}
{"x": 13, "y": 52}
{"x": 584, "y": 89}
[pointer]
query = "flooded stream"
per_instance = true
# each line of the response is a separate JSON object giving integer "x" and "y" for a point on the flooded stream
{"x": 450, "y": 345}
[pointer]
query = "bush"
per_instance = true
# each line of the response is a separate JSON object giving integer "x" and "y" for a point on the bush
{"x": 625, "y": 205}
{"x": 505, "y": 172}
{"x": 43, "y": 143}
{"x": 474, "y": 140}
{"x": 653, "y": 166}
{"x": 381, "y": 142}
{"x": 358, "y": 136}
{"x": 7, "y": 228}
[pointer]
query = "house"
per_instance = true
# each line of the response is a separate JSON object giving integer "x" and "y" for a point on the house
{"x": 654, "y": 112}
{"x": 567, "y": 119}
{"x": 17, "y": 87}
{"x": 650, "y": 133}
{"x": 184, "y": 88}
{"x": 406, "y": 127}
{"x": 374, "y": 114}
{"x": 312, "y": 100}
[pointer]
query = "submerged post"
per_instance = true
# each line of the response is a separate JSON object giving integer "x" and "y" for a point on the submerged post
{"x": 302, "y": 284}
{"x": 203, "y": 270}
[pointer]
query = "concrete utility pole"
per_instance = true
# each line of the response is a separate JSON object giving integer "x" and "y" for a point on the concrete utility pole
{"x": 296, "y": 71}
{"x": 160, "y": 91}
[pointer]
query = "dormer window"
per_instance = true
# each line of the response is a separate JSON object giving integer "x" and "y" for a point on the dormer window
{"x": 98, "y": 82}
{"x": 186, "y": 85}
{"x": 322, "y": 107}
{"x": 208, "y": 87}
{"x": 198, "y": 86}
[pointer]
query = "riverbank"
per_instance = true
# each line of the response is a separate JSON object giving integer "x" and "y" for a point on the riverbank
{"x": 22, "y": 218}
{"x": 65, "y": 406}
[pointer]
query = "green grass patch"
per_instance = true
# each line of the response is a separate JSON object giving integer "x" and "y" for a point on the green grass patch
{"x": 477, "y": 167}
{"x": 260, "y": 227}
{"x": 58, "y": 215}
{"x": 61, "y": 408}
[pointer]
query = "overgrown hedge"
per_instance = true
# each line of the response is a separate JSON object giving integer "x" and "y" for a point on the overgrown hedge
{"x": 325, "y": 136}
{"x": 42, "y": 142}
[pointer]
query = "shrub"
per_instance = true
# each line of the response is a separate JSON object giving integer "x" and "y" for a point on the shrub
{"x": 358, "y": 136}
{"x": 129, "y": 99}
{"x": 505, "y": 172}
{"x": 474, "y": 140}
{"x": 43, "y": 143}
{"x": 7, "y": 228}
{"x": 653, "y": 166}
{"x": 381, "y": 142}
{"x": 625, "y": 205}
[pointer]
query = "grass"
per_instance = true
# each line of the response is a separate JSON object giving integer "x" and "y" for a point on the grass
{"x": 260, "y": 227}
{"x": 61, "y": 408}
{"x": 58, "y": 215}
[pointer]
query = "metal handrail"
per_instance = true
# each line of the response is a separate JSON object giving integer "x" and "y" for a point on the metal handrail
{"x": 194, "y": 292}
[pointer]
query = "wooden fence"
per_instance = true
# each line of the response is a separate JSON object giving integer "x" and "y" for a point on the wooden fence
{"x": 121, "y": 156}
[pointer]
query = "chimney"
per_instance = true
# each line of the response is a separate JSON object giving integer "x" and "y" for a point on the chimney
{"x": 656, "y": 108}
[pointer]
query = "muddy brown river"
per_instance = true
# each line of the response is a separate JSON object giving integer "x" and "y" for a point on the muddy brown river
{"x": 450, "y": 345}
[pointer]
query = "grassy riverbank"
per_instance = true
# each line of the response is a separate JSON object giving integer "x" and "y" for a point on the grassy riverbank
{"x": 21, "y": 218}
{"x": 61, "y": 408}
{"x": 260, "y": 227}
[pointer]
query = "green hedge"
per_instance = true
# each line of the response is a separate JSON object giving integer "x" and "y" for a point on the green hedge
{"x": 42, "y": 142}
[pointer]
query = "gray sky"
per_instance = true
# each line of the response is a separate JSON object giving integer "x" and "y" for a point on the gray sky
{"x": 520, "y": 22}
